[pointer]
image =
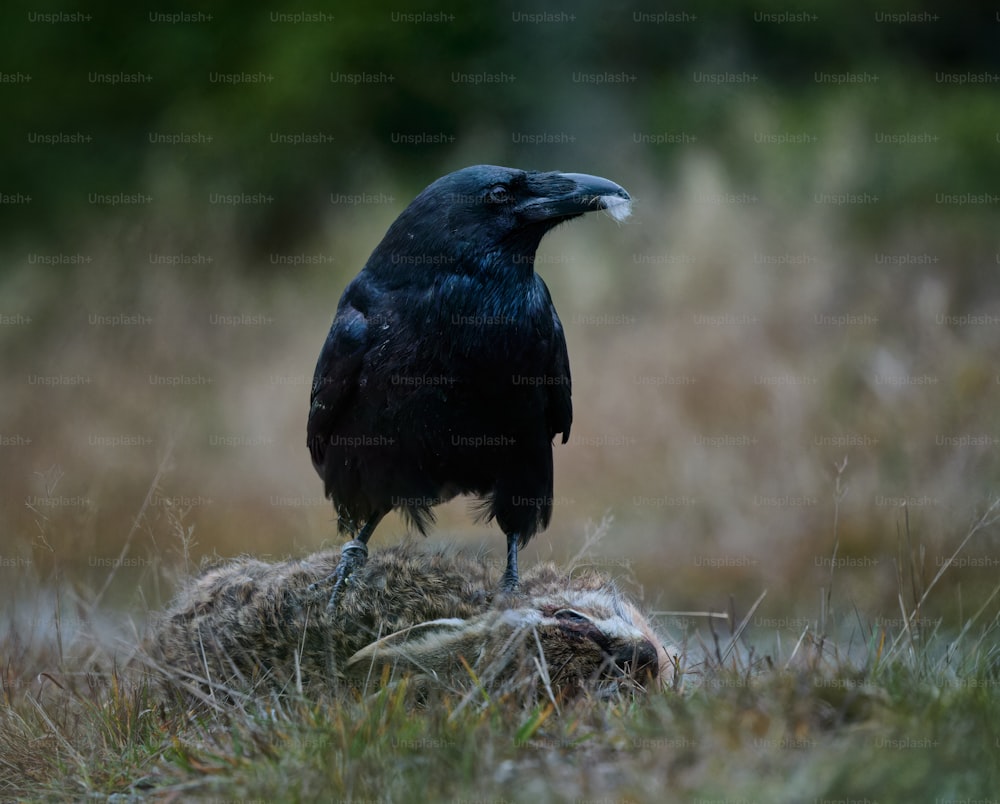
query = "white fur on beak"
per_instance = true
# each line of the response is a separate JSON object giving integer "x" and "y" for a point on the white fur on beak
{"x": 618, "y": 208}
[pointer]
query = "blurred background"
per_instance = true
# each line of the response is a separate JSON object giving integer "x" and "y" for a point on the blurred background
{"x": 792, "y": 348}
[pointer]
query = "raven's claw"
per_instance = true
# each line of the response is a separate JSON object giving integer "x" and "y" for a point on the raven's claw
{"x": 353, "y": 556}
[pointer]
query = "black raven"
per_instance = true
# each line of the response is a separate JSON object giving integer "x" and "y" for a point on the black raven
{"x": 445, "y": 371}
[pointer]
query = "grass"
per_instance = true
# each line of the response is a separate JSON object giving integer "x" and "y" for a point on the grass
{"x": 851, "y": 710}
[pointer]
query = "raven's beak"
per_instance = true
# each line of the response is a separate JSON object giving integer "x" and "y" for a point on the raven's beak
{"x": 559, "y": 196}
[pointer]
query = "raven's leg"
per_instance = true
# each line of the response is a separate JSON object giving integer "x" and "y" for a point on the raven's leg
{"x": 353, "y": 556}
{"x": 509, "y": 581}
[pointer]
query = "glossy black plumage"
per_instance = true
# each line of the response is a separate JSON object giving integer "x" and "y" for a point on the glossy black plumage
{"x": 445, "y": 371}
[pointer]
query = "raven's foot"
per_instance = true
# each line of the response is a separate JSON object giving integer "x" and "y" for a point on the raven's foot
{"x": 509, "y": 581}
{"x": 353, "y": 556}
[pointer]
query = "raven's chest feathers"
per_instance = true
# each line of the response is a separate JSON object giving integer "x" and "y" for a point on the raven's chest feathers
{"x": 469, "y": 326}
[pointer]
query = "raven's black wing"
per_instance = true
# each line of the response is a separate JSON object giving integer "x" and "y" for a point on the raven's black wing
{"x": 338, "y": 370}
{"x": 559, "y": 412}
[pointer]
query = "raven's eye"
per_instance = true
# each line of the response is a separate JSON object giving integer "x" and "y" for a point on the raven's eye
{"x": 498, "y": 194}
{"x": 572, "y": 616}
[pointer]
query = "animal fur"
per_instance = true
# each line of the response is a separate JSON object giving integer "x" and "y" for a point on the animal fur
{"x": 247, "y": 623}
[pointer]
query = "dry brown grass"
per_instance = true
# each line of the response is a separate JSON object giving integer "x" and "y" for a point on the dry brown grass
{"x": 714, "y": 393}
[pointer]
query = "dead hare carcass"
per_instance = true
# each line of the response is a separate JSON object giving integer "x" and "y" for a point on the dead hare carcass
{"x": 248, "y": 624}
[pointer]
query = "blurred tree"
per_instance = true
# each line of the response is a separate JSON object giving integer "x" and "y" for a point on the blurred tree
{"x": 293, "y": 105}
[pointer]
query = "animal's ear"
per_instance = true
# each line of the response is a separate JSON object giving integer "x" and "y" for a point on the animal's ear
{"x": 428, "y": 647}
{"x": 436, "y": 645}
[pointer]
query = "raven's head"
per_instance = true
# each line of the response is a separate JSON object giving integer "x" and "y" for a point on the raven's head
{"x": 490, "y": 217}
